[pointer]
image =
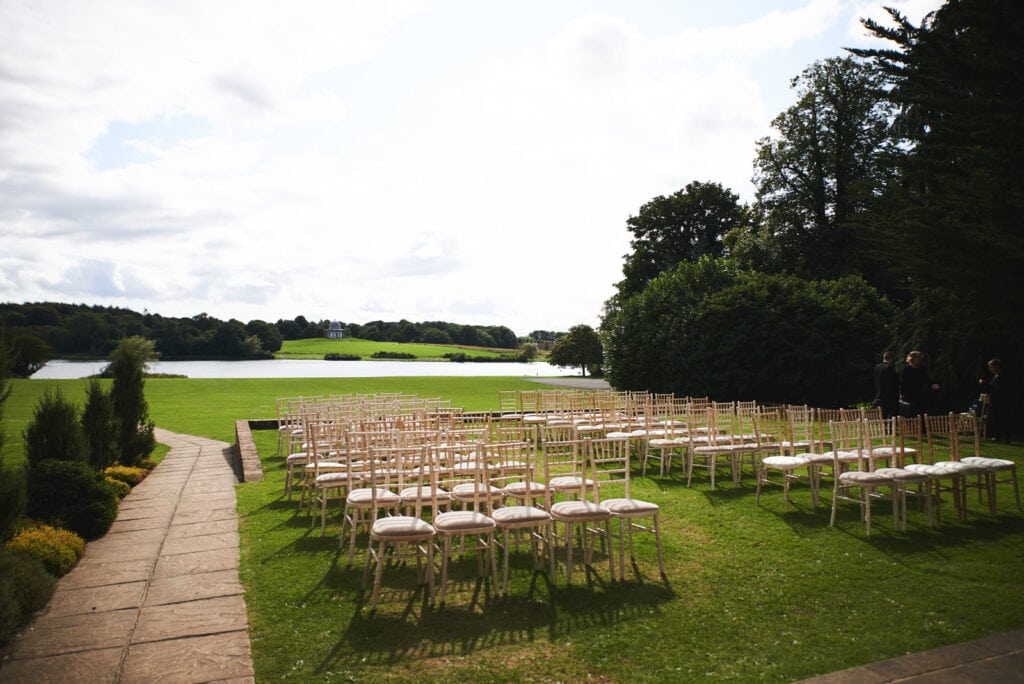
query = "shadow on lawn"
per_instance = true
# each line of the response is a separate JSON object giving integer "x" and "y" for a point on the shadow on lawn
{"x": 406, "y": 626}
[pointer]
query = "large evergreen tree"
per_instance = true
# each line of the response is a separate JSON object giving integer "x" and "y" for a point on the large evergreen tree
{"x": 954, "y": 229}
{"x": 823, "y": 170}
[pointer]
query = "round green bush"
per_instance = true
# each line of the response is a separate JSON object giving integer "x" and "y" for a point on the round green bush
{"x": 25, "y": 587}
{"x": 71, "y": 495}
{"x": 58, "y": 550}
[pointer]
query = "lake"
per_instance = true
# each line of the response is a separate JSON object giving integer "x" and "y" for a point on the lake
{"x": 310, "y": 368}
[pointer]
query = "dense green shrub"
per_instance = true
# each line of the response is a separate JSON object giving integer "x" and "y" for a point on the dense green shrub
{"x": 711, "y": 329}
{"x": 58, "y": 550}
{"x": 335, "y": 356}
{"x": 54, "y": 432}
{"x": 12, "y": 499}
{"x": 122, "y": 488}
{"x": 25, "y": 587}
{"x": 127, "y": 474}
{"x": 392, "y": 355}
{"x": 73, "y": 496}
{"x": 99, "y": 426}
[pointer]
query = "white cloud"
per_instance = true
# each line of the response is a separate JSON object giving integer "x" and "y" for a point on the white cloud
{"x": 358, "y": 160}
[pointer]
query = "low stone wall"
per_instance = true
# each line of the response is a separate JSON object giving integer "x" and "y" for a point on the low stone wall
{"x": 245, "y": 449}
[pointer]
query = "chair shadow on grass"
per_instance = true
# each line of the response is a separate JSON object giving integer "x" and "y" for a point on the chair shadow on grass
{"x": 406, "y": 625}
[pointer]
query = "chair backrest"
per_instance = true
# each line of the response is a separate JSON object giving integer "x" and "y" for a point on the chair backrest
{"x": 879, "y": 437}
{"x": 848, "y": 436}
{"x": 967, "y": 435}
{"x": 938, "y": 432}
{"x": 608, "y": 460}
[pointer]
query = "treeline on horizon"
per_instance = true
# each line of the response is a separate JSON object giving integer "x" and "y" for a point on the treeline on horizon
{"x": 40, "y": 331}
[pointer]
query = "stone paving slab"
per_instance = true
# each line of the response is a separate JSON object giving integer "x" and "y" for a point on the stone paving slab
{"x": 98, "y": 666}
{"x": 213, "y": 657}
{"x": 158, "y": 598}
{"x": 191, "y": 618}
{"x": 100, "y": 599}
{"x": 183, "y": 588}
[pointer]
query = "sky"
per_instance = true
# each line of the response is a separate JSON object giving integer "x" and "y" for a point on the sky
{"x": 457, "y": 160}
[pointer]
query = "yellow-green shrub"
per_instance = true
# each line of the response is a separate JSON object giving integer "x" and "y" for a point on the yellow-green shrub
{"x": 122, "y": 487}
{"x": 130, "y": 475}
{"x": 56, "y": 549}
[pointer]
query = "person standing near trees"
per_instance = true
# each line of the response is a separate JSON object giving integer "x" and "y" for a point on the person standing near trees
{"x": 914, "y": 384}
{"x": 998, "y": 402}
{"x": 887, "y": 386}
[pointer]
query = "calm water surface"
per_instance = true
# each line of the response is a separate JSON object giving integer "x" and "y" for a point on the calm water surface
{"x": 309, "y": 368}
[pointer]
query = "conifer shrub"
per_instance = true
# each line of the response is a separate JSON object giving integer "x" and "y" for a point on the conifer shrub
{"x": 122, "y": 488}
{"x": 12, "y": 499}
{"x": 25, "y": 587}
{"x": 58, "y": 550}
{"x": 130, "y": 475}
{"x": 54, "y": 432}
{"x": 71, "y": 495}
{"x": 99, "y": 426}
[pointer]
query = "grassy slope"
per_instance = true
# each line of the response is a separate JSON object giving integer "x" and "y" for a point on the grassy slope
{"x": 753, "y": 592}
{"x": 316, "y": 348}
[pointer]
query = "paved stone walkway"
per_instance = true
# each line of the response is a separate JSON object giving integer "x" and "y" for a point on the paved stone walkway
{"x": 158, "y": 598}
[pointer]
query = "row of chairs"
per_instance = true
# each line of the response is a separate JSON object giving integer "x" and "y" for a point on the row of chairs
{"x": 924, "y": 457}
{"x": 424, "y": 491}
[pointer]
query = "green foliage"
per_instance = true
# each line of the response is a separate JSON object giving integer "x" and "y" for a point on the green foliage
{"x": 30, "y": 354}
{"x": 392, "y": 355}
{"x": 824, "y": 169}
{"x": 71, "y": 495}
{"x": 708, "y": 330}
{"x": 129, "y": 475}
{"x": 25, "y": 587}
{"x": 580, "y": 347}
{"x": 55, "y": 432}
{"x": 684, "y": 226}
{"x": 12, "y": 499}
{"x": 128, "y": 362}
{"x": 952, "y": 230}
{"x": 122, "y": 488}
{"x": 58, "y": 550}
{"x": 334, "y": 356}
{"x": 99, "y": 425}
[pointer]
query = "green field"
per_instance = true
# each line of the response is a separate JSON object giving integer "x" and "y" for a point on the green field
{"x": 316, "y": 348}
{"x": 753, "y": 593}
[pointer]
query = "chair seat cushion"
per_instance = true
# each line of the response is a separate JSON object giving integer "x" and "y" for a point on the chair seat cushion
{"x": 335, "y": 479}
{"x": 300, "y": 457}
{"x": 961, "y": 467}
{"x": 520, "y": 489}
{"x": 468, "y": 489}
{"x": 786, "y": 462}
{"x": 579, "y": 510}
{"x": 401, "y": 528}
{"x": 629, "y": 507}
{"x": 568, "y": 482}
{"x": 425, "y": 494}
{"x": 903, "y": 475}
{"x": 463, "y": 522}
{"x": 669, "y": 441}
{"x": 932, "y": 471}
{"x": 520, "y": 515}
{"x": 364, "y": 497}
{"x": 862, "y": 478}
{"x": 990, "y": 463}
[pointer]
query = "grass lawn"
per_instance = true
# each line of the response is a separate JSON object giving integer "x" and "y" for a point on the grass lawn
{"x": 316, "y": 348}
{"x": 752, "y": 593}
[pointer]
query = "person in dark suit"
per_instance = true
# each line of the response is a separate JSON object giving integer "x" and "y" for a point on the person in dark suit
{"x": 915, "y": 386}
{"x": 998, "y": 402}
{"x": 887, "y": 386}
